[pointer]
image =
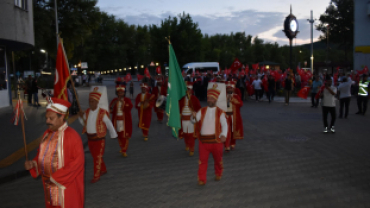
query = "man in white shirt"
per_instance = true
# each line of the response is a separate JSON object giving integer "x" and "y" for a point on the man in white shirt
{"x": 328, "y": 104}
{"x": 212, "y": 132}
{"x": 344, "y": 90}
{"x": 96, "y": 122}
{"x": 257, "y": 85}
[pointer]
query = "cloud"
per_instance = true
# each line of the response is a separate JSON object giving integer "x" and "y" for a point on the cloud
{"x": 266, "y": 25}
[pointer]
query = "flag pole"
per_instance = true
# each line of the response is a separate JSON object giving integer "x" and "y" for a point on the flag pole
{"x": 21, "y": 113}
{"x": 70, "y": 77}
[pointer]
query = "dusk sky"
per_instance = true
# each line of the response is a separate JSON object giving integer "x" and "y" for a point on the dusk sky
{"x": 255, "y": 17}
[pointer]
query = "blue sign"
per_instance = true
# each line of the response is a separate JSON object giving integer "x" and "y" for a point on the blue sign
{"x": 18, "y": 74}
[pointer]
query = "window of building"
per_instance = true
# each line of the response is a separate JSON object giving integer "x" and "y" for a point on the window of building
{"x": 21, "y": 4}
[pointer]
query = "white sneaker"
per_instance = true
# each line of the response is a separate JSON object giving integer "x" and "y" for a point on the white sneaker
{"x": 325, "y": 130}
{"x": 332, "y": 129}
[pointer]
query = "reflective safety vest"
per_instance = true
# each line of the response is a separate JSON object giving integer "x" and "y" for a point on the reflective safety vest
{"x": 363, "y": 88}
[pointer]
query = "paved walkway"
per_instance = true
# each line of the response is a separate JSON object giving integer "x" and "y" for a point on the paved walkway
{"x": 284, "y": 161}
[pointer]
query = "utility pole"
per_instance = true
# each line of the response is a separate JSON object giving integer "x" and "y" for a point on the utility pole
{"x": 56, "y": 21}
{"x": 311, "y": 21}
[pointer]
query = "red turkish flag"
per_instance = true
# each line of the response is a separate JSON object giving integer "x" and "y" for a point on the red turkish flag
{"x": 139, "y": 77}
{"x": 235, "y": 65}
{"x": 255, "y": 66}
{"x": 303, "y": 93}
{"x": 158, "y": 70}
{"x": 61, "y": 74}
{"x": 365, "y": 70}
{"x": 128, "y": 77}
{"x": 146, "y": 72}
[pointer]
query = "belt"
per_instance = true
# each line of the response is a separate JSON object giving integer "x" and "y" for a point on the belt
{"x": 94, "y": 137}
{"x": 120, "y": 117}
{"x": 229, "y": 113}
{"x": 208, "y": 139}
{"x": 46, "y": 178}
{"x": 185, "y": 118}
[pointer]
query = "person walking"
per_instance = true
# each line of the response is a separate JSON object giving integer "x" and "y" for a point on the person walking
{"x": 257, "y": 85}
{"x": 271, "y": 88}
{"x": 316, "y": 84}
{"x": 288, "y": 88}
{"x": 363, "y": 94}
{"x": 35, "y": 92}
{"x": 29, "y": 89}
{"x": 132, "y": 90}
{"x": 344, "y": 90}
{"x": 328, "y": 105}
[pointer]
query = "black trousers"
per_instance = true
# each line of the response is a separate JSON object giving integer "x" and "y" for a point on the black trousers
{"x": 362, "y": 103}
{"x": 29, "y": 97}
{"x": 314, "y": 101}
{"x": 258, "y": 94}
{"x": 242, "y": 92}
{"x": 271, "y": 94}
{"x": 344, "y": 102}
{"x": 325, "y": 111}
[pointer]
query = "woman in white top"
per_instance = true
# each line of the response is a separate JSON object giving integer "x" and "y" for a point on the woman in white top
{"x": 328, "y": 104}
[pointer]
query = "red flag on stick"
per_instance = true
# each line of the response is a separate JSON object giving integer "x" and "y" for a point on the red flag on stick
{"x": 18, "y": 110}
{"x": 139, "y": 77}
{"x": 303, "y": 93}
{"x": 128, "y": 77}
{"x": 158, "y": 70}
{"x": 255, "y": 66}
{"x": 146, "y": 72}
{"x": 235, "y": 65}
{"x": 61, "y": 74}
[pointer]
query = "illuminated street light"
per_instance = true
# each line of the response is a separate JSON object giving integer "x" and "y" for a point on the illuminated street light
{"x": 42, "y": 51}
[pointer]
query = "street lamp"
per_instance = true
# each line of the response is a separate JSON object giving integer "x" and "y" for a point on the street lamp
{"x": 311, "y": 21}
{"x": 42, "y": 51}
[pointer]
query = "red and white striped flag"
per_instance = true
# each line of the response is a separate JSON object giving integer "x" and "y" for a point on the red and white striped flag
{"x": 17, "y": 110}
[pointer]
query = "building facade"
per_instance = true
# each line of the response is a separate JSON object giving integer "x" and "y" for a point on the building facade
{"x": 16, "y": 33}
{"x": 361, "y": 34}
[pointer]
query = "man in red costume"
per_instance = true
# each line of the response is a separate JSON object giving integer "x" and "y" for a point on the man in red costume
{"x": 157, "y": 91}
{"x": 233, "y": 116}
{"x": 60, "y": 160}
{"x": 188, "y": 104}
{"x": 120, "y": 107}
{"x": 144, "y": 103}
{"x": 96, "y": 122}
{"x": 212, "y": 132}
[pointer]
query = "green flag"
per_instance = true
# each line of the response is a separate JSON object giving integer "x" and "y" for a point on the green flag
{"x": 176, "y": 90}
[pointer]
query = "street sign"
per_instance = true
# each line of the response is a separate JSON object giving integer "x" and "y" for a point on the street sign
{"x": 84, "y": 65}
{"x": 18, "y": 73}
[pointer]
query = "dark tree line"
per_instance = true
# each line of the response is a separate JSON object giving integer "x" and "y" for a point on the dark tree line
{"x": 109, "y": 43}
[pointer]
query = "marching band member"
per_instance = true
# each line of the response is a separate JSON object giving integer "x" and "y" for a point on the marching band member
{"x": 233, "y": 116}
{"x": 144, "y": 103}
{"x": 60, "y": 160}
{"x": 188, "y": 104}
{"x": 212, "y": 132}
{"x": 120, "y": 107}
{"x": 96, "y": 122}
{"x": 157, "y": 91}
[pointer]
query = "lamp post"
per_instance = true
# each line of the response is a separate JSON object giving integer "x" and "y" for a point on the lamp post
{"x": 46, "y": 57}
{"x": 311, "y": 21}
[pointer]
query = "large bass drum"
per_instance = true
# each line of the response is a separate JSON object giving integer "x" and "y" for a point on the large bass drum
{"x": 161, "y": 102}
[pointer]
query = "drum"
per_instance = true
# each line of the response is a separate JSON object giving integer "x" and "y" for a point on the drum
{"x": 161, "y": 102}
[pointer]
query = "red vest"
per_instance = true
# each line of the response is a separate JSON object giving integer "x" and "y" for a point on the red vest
{"x": 101, "y": 128}
{"x": 218, "y": 113}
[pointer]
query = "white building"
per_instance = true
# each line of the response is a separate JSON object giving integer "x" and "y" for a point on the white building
{"x": 16, "y": 33}
{"x": 361, "y": 36}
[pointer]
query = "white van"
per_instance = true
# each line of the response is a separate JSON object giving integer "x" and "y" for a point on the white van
{"x": 202, "y": 67}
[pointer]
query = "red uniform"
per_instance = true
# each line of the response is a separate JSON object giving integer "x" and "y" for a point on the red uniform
{"x": 157, "y": 91}
{"x": 96, "y": 124}
{"x": 60, "y": 160}
{"x": 211, "y": 125}
{"x": 187, "y": 128}
{"x": 145, "y": 114}
{"x": 234, "y": 121}
{"x": 122, "y": 120}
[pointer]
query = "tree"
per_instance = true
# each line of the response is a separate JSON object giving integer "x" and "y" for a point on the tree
{"x": 337, "y": 24}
